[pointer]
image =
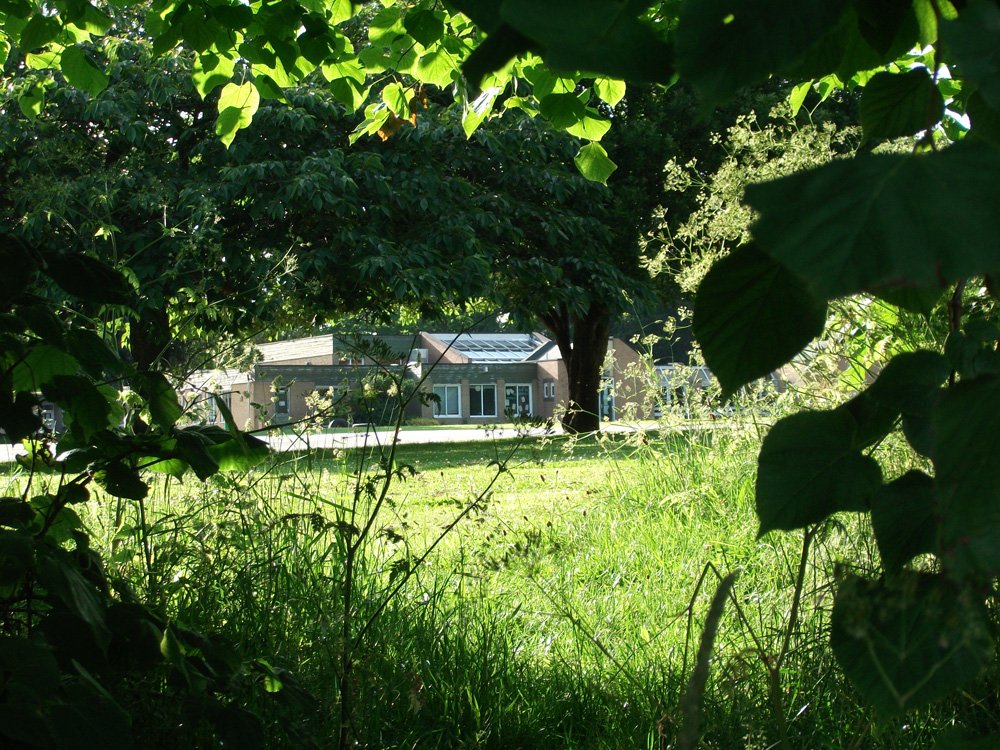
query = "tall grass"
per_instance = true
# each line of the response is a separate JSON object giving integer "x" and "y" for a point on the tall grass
{"x": 563, "y": 611}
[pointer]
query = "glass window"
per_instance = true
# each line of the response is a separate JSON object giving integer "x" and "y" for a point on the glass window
{"x": 281, "y": 401}
{"x": 517, "y": 401}
{"x": 447, "y": 403}
{"x": 483, "y": 400}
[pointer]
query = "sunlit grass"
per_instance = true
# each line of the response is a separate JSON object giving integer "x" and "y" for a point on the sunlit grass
{"x": 562, "y": 611}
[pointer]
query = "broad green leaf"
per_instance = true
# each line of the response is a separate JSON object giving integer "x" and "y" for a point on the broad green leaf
{"x": 239, "y": 453}
{"x": 910, "y": 383}
{"x": 881, "y": 22}
{"x": 798, "y": 96}
{"x": 592, "y": 127}
{"x": 603, "y": 37}
{"x": 921, "y": 300}
{"x": 86, "y": 407}
{"x": 349, "y": 68}
{"x": 397, "y": 99}
{"x": 93, "y": 353}
{"x": 973, "y": 40}
{"x": 40, "y": 366}
{"x": 160, "y": 397}
{"x": 237, "y": 105}
{"x": 349, "y": 93}
{"x": 967, "y": 463}
{"x": 562, "y": 110}
{"x": 39, "y": 31}
{"x": 493, "y": 54}
{"x": 905, "y": 644}
{"x": 751, "y": 316}
{"x": 89, "y": 279}
{"x": 609, "y": 90}
{"x": 51, "y": 58}
{"x": 985, "y": 120}
{"x": 80, "y": 597}
{"x": 896, "y": 105}
{"x": 884, "y": 221}
{"x": 809, "y": 469}
{"x": 593, "y": 162}
{"x": 18, "y": 415}
{"x": 723, "y": 45}
{"x": 903, "y": 518}
{"x": 210, "y": 72}
{"x": 121, "y": 480}
{"x": 426, "y": 26}
{"x": 193, "y": 448}
{"x": 31, "y": 103}
{"x": 81, "y": 72}
{"x": 437, "y": 68}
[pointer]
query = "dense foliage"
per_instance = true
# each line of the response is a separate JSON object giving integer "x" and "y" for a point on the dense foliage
{"x": 910, "y": 228}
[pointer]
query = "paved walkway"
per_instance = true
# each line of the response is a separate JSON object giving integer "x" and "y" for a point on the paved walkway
{"x": 373, "y": 437}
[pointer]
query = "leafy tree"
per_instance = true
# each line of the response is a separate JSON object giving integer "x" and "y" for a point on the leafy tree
{"x": 906, "y": 227}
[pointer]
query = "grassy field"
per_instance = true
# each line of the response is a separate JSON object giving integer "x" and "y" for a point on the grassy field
{"x": 546, "y": 593}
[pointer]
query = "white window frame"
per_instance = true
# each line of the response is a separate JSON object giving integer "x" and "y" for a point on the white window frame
{"x": 472, "y": 399}
{"x": 441, "y": 403}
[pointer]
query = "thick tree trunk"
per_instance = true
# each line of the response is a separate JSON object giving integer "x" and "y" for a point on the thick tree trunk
{"x": 583, "y": 344}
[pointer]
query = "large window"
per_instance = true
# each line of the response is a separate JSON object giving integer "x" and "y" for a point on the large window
{"x": 447, "y": 403}
{"x": 517, "y": 401}
{"x": 483, "y": 400}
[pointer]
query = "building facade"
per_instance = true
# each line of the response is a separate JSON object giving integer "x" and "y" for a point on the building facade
{"x": 465, "y": 378}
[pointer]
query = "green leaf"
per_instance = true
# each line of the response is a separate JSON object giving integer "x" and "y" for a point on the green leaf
{"x": 860, "y": 224}
{"x": 594, "y": 35}
{"x": 41, "y": 364}
{"x": 39, "y": 31}
{"x": 751, "y": 316}
{"x": 609, "y": 90}
{"x": 81, "y": 72}
{"x": 397, "y": 99}
{"x": 973, "y": 39}
{"x": 349, "y": 93}
{"x": 907, "y": 644}
{"x": 18, "y": 417}
{"x": 193, "y": 448}
{"x": 985, "y": 119}
{"x": 562, "y": 110}
{"x": 437, "y": 68}
{"x": 903, "y": 518}
{"x": 493, "y": 54}
{"x": 592, "y": 127}
{"x": 798, "y": 96}
{"x": 426, "y": 26}
{"x": 900, "y": 104}
{"x": 211, "y": 71}
{"x": 86, "y": 408}
{"x": 239, "y": 453}
{"x": 238, "y": 104}
{"x": 967, "y": 463}
{"x": 723, "y": 45}
{"x": 121, "y": 480}
{"x": 161, "y": 398}
{"x": 809, "y": 468}
{"x": 593, "y": 162}
{"x": 89, "y": 279}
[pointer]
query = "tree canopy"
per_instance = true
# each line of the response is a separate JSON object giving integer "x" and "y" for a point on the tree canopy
{"x": 909, "y": 227}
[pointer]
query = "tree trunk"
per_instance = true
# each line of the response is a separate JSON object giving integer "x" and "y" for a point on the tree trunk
{"x": 583, "y": 343}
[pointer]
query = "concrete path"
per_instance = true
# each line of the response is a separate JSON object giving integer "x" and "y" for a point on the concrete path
{"x": 374, "y": 437}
